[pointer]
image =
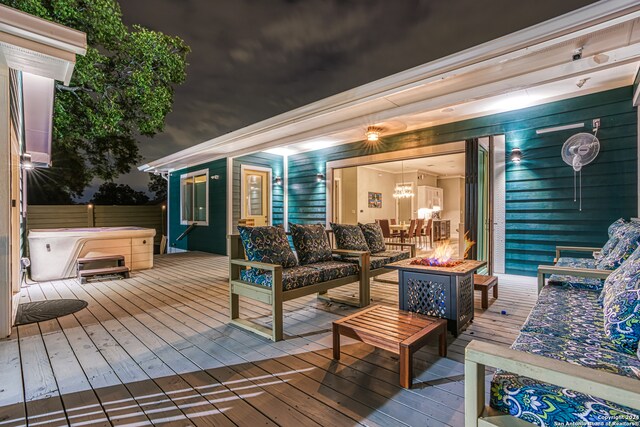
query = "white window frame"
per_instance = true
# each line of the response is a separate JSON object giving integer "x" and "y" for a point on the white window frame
{"x": 189, "y": 175}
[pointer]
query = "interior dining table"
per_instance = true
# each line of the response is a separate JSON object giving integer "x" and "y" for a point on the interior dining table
{"x": 402, "y": 228}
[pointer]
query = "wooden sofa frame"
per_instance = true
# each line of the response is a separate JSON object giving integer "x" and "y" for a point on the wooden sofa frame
{"x": 276, "y": 296}
{"x": 478, "y": 355}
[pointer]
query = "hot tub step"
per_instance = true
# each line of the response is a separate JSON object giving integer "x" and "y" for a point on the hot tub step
{"x": 120, "y": 271}
{"x": 118, "y": 259}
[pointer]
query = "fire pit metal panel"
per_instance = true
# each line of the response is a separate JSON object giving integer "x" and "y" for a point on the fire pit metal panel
{"x": 426, "y": 294}
{"x": 438, "y": 291}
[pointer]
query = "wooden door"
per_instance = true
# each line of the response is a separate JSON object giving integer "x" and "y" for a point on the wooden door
{"x": 256, "y": 196}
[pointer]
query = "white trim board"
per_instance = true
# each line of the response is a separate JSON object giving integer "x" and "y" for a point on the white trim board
{"x": 245, "y": 166}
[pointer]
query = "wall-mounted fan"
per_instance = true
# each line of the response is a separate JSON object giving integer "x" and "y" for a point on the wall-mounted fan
{"x": 578, "y": 151}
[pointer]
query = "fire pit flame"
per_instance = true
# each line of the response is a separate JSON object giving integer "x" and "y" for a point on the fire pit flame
{"x": 443, "y": 255}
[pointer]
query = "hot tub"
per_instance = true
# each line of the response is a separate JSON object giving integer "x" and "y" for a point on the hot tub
{"x": 54, "y": 251}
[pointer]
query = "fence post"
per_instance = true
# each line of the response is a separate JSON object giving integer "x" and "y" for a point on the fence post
{"x": 90, "y": 215}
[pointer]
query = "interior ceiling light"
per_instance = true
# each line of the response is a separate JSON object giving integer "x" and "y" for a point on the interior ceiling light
{"x": 373, "y": 133}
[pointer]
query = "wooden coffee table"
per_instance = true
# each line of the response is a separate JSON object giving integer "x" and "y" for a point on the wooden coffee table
{"x": 397, "y": 331}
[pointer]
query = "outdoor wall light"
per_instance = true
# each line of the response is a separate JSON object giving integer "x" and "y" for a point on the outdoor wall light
{"x": 373, "y": 133}
{"x": 277, "y": 180}
{"x": 319, "y": 177}
{"x": 27, "y": 164}
{"x": 215, "y": 177}
{"x": 516, "y": 155}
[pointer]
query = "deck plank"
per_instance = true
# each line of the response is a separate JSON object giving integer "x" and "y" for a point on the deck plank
{"x": 158, "y": 348}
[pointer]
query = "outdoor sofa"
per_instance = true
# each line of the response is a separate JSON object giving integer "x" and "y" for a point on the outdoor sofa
{"x": 264, "y": 268}
{"x": 576, "y": 359}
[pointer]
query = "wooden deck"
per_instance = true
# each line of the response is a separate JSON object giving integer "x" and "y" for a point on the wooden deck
{"x": 156, "y": 349}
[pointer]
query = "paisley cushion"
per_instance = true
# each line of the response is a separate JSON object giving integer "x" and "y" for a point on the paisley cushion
{"x": 571, "y": 314}
{"x": 622, "y": 320}
{"x": 311, "y": 243}
{"x": 626, "y": 245}
{"x": 549, "y": 405}
{"x": 292, "y": 278}
{"x": 267, "y": 244}
{"x": 576, "y": 281}
{"x": 615, "y": 226}
{"x": 349, "y": 237}
{"x": 576, "y": 262}
{"x": 373, "y": 236}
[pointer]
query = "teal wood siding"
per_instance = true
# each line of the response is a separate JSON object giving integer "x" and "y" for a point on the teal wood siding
{"x": 211, "y": 238}
{"x": 540, "y": 211}
{"x": 264, "y": 160}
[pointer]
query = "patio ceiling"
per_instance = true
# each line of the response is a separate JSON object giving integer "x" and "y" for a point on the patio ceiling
{"x": 530, "y": 67}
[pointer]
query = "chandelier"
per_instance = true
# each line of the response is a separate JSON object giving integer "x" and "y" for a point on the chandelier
{"x": 403, "y": 191}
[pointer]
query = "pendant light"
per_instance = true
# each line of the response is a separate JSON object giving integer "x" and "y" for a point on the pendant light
{"x": 403, "y": 191}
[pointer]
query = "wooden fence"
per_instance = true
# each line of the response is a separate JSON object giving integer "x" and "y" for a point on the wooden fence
{"x": 72, "y": 216}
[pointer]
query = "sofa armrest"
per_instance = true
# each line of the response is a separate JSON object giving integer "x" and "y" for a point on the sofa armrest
{"x": 255, "y": 264}
{"x": 348, "y": 252}
{"x": 411, "y": 246}
{"x": 559, "y": 249}
{"x": 478, "y": 355}
{"x": 544, "y": 270}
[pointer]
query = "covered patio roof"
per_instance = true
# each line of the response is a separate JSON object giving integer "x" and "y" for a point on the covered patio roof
{"x": 593, "y": 49}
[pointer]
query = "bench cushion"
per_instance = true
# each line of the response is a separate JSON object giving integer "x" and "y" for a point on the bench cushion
{"x": 374, "y": 237}
{"x": 292, "y": 278}
{"x": 380, "y": 259}
{"x": 569, "y": 314}
{"x": 349, "y": 237}
{"x": 393, "y": 256}
{"x": 267, "y": 244}
{"x": 311, "y": 243}
{"x": 576, "y": 281}
{"x": 330, "y": 270}
{"x": 549, "y": 405}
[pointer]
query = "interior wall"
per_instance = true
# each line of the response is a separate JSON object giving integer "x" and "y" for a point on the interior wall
{"x": 453, "y": 195}
{"x": 425, "y": 178}
{"x": 350, "y": 195}
{"x": 371, "y": 180}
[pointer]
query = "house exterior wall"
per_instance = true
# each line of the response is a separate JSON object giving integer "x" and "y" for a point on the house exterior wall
{"x": 207, "y": 238}
{"x": 540, "y": 212}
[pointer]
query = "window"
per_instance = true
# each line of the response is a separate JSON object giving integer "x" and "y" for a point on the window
{"x": 194, "y": 197}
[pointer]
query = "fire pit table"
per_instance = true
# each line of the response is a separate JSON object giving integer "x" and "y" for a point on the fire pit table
{"x": 445, "y": 292}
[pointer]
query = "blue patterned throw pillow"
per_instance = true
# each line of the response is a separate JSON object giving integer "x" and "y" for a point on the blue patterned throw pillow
{"x": 627, "y": 244}
{"x": 374, "y": 237}
{"x": 311, "y": 243}
{"x": 615, "y": 226}
{"x": 349, "y": 237}
{"x": 622, "y": 320}
{"x": 267, "y": 244}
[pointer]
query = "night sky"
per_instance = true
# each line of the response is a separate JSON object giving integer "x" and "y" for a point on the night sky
{"x": 253, "y": 59}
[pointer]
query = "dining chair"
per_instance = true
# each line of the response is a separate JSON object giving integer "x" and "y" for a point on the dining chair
{"x": 392, "y": 221}
{"x": 412, "y": 230}
{"x": 386, "y": 230}
{"x": 428, "y": 232}
{"x": 418, "y": 231}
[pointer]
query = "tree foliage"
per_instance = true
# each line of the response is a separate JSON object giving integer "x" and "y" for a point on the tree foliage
{"x": 158, "y": 186}
{"x": 122, "y": 88}
{"x": 110, "y": 193}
